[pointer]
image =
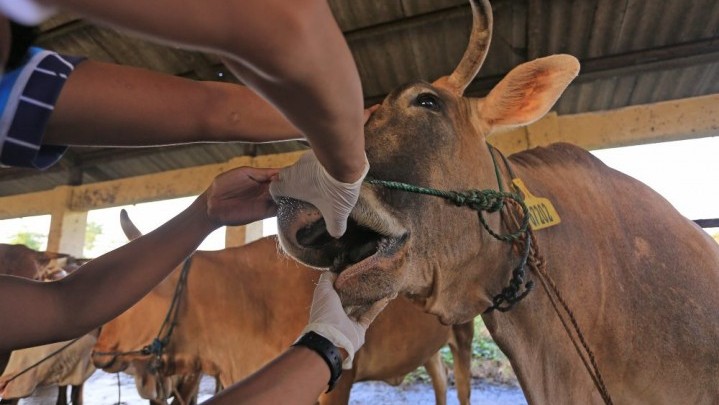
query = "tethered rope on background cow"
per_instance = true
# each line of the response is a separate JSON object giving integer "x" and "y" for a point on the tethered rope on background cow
{"x": 157, "y": 347}
{"x": 158, "y": 344}
{"x": 53, "y": 354}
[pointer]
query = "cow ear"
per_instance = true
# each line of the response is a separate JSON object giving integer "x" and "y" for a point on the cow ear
{"x": 528, "y": 92}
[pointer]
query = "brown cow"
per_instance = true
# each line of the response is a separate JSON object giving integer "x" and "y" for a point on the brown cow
{"x": 244, "y": 306}
{"x": 70, "y": 366}
{"x": 642, "y": 280}
{"x": 21, "y": 261}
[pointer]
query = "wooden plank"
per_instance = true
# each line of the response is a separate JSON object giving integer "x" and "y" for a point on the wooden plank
{"x": 688, "y": 118}
{"x": 152, "y": 187}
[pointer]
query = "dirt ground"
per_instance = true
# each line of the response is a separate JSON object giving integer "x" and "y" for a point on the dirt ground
{"x": 102, "y": 389}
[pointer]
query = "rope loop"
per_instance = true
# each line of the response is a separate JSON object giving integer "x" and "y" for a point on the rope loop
{"x": 157, "y": 347}
{"x": 486, "y": 201}
{"x": 479, "y": 200}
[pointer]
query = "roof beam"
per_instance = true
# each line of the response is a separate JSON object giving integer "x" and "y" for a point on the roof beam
{"x": 643, "y": 61}
{"x": 151, "y": 187}
{"x": 674, "y": 120}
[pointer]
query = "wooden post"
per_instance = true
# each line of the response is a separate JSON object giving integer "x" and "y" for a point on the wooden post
{"x": 67, "y": 227}
{"x": 242, "y": 235}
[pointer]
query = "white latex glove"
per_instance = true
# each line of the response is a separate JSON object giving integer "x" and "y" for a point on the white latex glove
{"x": 328, "y": 318}
{"x": 26, "y": 12}
{"x": 307, "y": 180}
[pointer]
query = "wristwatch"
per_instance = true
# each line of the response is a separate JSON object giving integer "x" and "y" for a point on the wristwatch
{"x": 327, "y": 350}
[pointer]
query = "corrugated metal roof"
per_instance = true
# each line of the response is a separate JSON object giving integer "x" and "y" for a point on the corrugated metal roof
{"x": 632, "y": 52}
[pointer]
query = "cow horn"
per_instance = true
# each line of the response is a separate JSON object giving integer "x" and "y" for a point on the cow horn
{"x": 476, "y": 51}
{"x": 130, "y": 230}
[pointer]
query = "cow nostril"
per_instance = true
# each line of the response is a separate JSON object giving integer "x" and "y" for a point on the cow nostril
{"x": 314, "y": 235}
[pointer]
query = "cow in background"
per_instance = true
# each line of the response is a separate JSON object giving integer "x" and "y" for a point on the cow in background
{"x": 72, "y": 366}
{"x": 21, "y": 261}
{"x": 244, "y": 306}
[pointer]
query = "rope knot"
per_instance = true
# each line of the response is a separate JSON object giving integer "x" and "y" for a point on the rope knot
{"x": 478, "y": 200}
{"x": 156, "y": 347}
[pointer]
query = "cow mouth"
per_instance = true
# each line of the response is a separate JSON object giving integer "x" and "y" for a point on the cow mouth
{"x": 357, "y": 249}
{"x": 373, "y": 244}
{"x": 107, "y": 362}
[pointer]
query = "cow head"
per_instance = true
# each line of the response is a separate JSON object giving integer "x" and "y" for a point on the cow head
{"x": 429, "y": 135}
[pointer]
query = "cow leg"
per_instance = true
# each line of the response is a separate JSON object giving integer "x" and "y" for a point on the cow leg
{"x": 218, "y": 385}
{"x": 186, "y": 391}
{"x": 9, "y": 401}
{"x": 61, "y": 395}
{"x": 340, "y": 395}
{"x": 76, "y": 394}
{"x": 461, "y": 345}
{"x": 438, "y": 374}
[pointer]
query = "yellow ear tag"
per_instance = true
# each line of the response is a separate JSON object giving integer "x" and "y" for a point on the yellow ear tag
{"x": 541, "y": 211}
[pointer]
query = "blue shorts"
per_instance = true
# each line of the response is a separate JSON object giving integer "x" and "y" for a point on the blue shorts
{"x": 27, "y": 98}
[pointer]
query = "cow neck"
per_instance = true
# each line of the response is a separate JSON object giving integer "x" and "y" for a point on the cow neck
{"x": 537, "y": 264}
{"x": 158, "y": 345}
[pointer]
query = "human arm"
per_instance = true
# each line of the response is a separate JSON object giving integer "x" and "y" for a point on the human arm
{"x": 301, "y": 373}
{"x": 294, "y": 56}
{"x": 298, "y": 373}
{"x": 137, "y": 107}
{"x": 34, "y": 313}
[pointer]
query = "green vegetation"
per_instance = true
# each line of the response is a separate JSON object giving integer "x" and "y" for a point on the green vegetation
{"x": 488, "y": 361}
{"x": 36, "y": 240}
{"x": 92, "y": 231}
{"x": 33, "y": 240}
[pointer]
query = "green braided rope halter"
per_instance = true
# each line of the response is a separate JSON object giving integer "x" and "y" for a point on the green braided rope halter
{"x": 478, "y": 200}
{"x": 485, "y": 201}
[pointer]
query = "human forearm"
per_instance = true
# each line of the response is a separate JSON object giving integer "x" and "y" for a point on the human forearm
{"x": 138, "y": 107}
{"x": 35, "y": 313}
{"x": 107, "y": 286}
{"x": 304, "y": 68}
{"x": 299, "y": 375}
{"x": 311, "y": 77}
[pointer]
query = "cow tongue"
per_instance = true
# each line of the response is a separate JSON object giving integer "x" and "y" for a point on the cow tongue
{"x": 357, "y": 253}
{"x": 353, "y": 254}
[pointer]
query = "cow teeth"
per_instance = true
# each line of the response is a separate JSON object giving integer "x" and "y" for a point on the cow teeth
{"x": 339, "y": 263}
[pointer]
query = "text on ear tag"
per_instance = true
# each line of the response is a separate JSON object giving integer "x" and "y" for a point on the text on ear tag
{"x": 541, "y": 211}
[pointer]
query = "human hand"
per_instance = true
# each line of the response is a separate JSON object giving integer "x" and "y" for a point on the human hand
{"x": 241, "y": 196}
{"x": 328, "y": 318}
{"x": 307, "y": 180}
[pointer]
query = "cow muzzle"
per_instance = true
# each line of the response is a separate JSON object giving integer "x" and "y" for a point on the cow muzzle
{"x": 369, "y": 253}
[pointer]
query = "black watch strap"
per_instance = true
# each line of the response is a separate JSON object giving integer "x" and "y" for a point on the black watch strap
{"x": 327, "y": 350}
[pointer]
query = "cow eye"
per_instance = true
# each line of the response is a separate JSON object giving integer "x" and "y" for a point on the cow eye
{"x": 428, "y": 101}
